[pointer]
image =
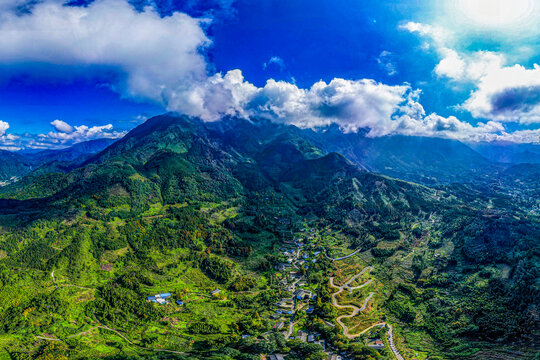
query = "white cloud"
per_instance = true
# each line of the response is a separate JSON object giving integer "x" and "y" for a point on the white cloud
{"x": 155, "y": 54}
{"x": 78, "y": 134}
{"x": 509, "y": 93}
{"x": 62, "y": 126}
{"x": 452, "y": 65}
{"x": 437, "y": 34}
{"x": 3, "y": 127}
{"x": 162, "y": 58}
{"x": 60, "y": 138}
{"x": 353, "y": 105}
{"x": 385, "y": 60}
{"x": 275, "y": 60}
{"x": 7, "y": 141}
{"x": 449, "y": 127}
{"x": 504, "y": 93}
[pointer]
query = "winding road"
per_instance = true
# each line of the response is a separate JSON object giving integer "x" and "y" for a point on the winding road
{"x": 356, "y": 310}
{"x": 343, "y": 257}
{"x": 390, "y": 337}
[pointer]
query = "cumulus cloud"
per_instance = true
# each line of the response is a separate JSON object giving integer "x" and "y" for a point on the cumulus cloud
{"x": 435, "y": 33}
{"x": 506, "y": 93}
{"x": 502, "y": 93}
{"x": 353, "y": 105}
{"x": 449, "y": 127}
{"x": 61, "y": 138}
{"x": 7, "y": 141}
{"x": 3, "y": 127}
{"x": 153, "y": 53}
{"x": 163, "y": 59}
{"x": 62, "y": 126}
{"x": 64, "y": 135}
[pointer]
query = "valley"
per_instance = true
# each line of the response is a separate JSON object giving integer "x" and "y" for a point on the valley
{"x": 260, "y": 243}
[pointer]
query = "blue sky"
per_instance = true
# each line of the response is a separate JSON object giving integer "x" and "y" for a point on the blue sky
{"x": 458, "y": 69}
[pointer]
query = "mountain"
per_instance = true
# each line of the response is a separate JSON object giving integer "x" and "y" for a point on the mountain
{"x": 71, "y": 153}
{"x": 12, "y": 165}
{"x": 509, "y": 153}
{"x": 420, "y": 159}
{"x": 209, "y": 214}
{"x": 18, "y": 164}
{"x": 172, "y": 159}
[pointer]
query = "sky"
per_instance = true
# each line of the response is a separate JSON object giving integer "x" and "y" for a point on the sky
{"x": 460, "y": 69}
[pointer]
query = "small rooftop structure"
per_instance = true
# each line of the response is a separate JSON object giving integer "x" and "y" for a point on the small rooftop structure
{"x": 309, "y": 310}
{"x": 180, "y": 303}
{"x": 311, "y": 338}
{"x": 283, "y": 266}
{"x": 377, "y": 344}
{"x": 216, "y": 292}
{"x": 276, "y": 357}
{"x": 302, "y": 336}
{"x": 159, "y": 298}
{"x": 302, "y": 294}
{"x": 279, "y": 325}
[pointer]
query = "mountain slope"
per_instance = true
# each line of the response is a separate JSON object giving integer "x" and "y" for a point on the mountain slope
{"x": 23, "y": 163}
{"x": 172, "y": 159}
{"x": 509, "y": 153}
{"x": 183, "y": 206}
{"x": 71, "y": 153}
{"x": 420, "y": 159}
{"x": 13, "y": 165}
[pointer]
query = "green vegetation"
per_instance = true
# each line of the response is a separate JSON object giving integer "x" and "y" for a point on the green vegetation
{"x": 187, "y": 208}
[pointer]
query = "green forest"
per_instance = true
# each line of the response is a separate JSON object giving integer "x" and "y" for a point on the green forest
{"x": 219, "y": 223}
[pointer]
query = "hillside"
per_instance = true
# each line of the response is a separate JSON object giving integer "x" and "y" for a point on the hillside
{"x": 184, "y": 208}
{"x": 19, "y": 164}
{"x": 12, "y": 165}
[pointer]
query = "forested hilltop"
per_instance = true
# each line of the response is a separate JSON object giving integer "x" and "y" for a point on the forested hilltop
{"x": 231, "y": 240}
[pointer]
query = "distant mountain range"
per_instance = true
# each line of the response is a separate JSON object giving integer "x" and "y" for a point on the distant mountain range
{"x": 424, "y": 160}
{"x": 17, "y": 164}
{"x": 506, "y": 152}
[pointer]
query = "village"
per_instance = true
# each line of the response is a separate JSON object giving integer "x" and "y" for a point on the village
{"x": 297, "y": 254}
